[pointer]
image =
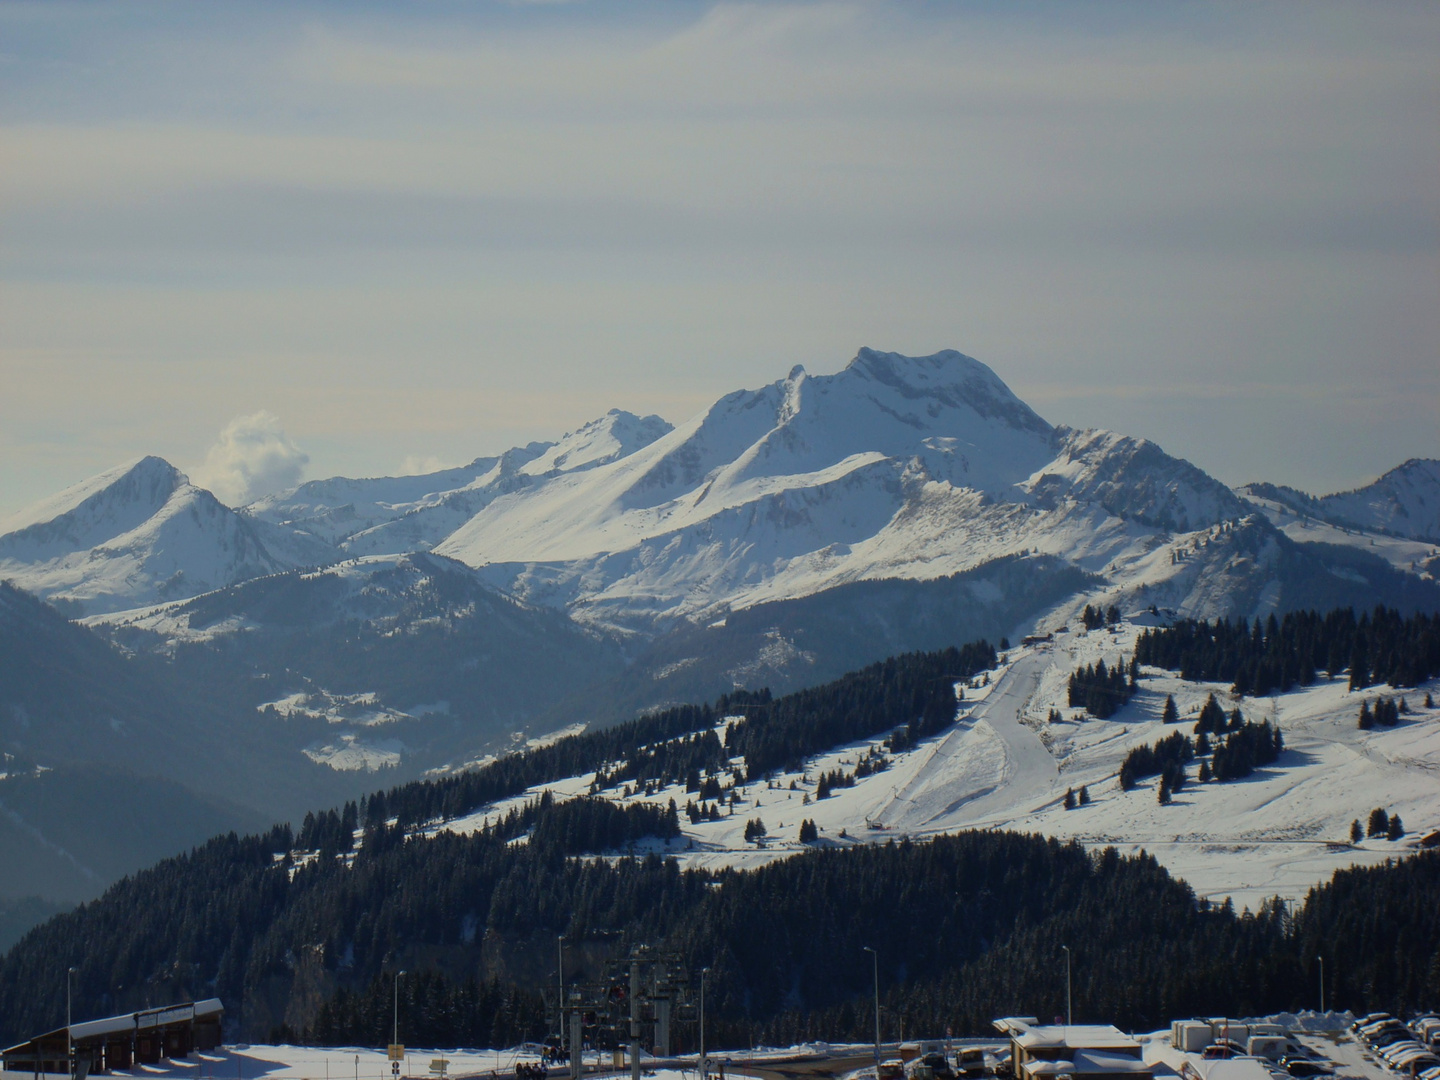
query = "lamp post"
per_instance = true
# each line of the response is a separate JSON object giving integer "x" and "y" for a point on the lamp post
{"x": 704, "y": 1072}
{"x": 560, "y": 1001}
{"x": 876, "y": 957}
{"x": 1322, "y": 982}
{"x": 395, "y": 1020}
{"x": 1069, "y": 1015}
{"x": 69, "y": 1042}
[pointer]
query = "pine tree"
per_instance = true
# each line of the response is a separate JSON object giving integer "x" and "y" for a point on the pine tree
{"x": 1171, "y": 715}
{"x": 1367, "y": 719}
{"x": 1429, "y": 701}
{"x": 1069, "y": 798}
{"x": 1394, "y": 829}
{"x": 1212, "y": 717}
{"x": 1356, "y": 833}
{"x": 1204, "y": 770}
{"x": 1378, "y": 824}
{"x": 1084, "y": 795}
{"x": 1164, "y": 791}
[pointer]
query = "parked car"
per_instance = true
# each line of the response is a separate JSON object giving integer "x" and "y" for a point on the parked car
{"x": 1370, "y": 1019}
{"x": 1389, "y": 1037}
{"x": 1299, "y": 1066}
{"x": 970, "y": 1062}
{"x": 1404, "y": 1048}
{"x": 1222, "y": 1048}
{"x": 1414, "y": 1063}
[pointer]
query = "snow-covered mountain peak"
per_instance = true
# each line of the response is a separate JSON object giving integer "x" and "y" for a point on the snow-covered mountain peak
{"x": 1404, "y": 502}
{"x": 951, "y": 379}
{"x": 615, "y": 435}
{"x": 1132, "y": 479}
{"x": 91, "y": 512}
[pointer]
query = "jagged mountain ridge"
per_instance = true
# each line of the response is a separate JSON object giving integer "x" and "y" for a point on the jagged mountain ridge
{"x": 895, "y": 467}
{"x": 390, "y": 515}
{"x": 1404, "y": 502}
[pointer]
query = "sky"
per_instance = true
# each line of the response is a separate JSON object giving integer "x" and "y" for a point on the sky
{"x": 269, "y": 241}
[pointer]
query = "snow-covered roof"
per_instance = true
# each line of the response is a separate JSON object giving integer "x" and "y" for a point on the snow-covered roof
{"x": 1099, "y": 1061}
{"x": 134, "y": 1021}
{"x": 1087, "y": 1036}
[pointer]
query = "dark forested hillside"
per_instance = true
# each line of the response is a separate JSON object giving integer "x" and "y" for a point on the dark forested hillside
{"x": 967, "y": 927}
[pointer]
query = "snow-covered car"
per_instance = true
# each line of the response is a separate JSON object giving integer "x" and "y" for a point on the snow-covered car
{"x": 1389, "y": 1037}
{"x": 1370, "y": 1031}
{"x": 1369, "y": 1019}
{"x": 1402, "y": 1055}
{"x": 1403, "y": 1047}
{"x": 1431, "y": 1074}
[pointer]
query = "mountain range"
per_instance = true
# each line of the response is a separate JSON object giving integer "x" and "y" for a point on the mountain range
{"x": 413, "y": 625}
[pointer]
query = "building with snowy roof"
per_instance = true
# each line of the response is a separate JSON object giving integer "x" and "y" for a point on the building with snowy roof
{"x": 1092, "y": 1051}
{"x": 121, "y": 1042}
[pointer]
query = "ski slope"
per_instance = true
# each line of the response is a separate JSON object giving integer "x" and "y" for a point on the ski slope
{"x": 1003, "y": 766}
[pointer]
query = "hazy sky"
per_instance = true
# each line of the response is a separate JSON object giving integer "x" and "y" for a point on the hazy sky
{"x": 367, "y": 238}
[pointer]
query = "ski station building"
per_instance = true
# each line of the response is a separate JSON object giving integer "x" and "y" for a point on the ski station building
{"x": 121, "y": 1042}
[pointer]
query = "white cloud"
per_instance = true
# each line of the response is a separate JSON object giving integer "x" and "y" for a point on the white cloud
{"x": 252, "y": 458}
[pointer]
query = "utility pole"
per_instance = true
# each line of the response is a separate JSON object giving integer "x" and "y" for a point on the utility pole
{"x": 395, "y": 1019}
{"x": 704, "y": 1070}
{"x": 69, "y": 1042}
{"x": 1069, "y": 1015}
{"x": 1322, "y": 982}
{"x": 560, "y": 1001}
{"x": 634, "y": 1019}
{"x": 876, "y": 957}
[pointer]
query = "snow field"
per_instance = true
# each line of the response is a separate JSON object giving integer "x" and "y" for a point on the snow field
{"x": 1277, "y": 832}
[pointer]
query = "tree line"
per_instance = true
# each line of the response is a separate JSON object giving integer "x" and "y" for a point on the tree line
{"x": 967, "y": 926}
{"x": 906, "y": 697}
{"x": 1269, "y": 655}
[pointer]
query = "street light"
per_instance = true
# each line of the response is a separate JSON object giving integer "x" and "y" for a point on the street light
{"x": 69, "y": 1042}
{"x": 876, "y": 957}
{"x": 704, "y": 1072}
{"x": 395, "y": 1022}
{"x": 1069, "y": 1016}
{"x": 560, "y": 1001}
{"x": 1322, "y": 982}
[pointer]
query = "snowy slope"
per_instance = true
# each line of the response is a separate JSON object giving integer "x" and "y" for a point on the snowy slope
{"x": 1003, "y": 765}
{"x": 139, "y": 534}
